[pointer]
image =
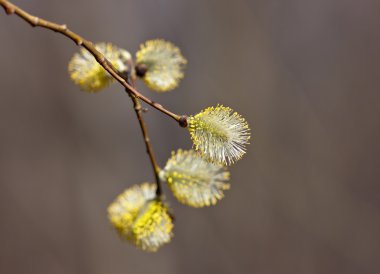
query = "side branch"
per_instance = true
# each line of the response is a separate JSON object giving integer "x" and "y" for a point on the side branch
{"x": 80, "y": 41}
{"x": 149, "y": 149}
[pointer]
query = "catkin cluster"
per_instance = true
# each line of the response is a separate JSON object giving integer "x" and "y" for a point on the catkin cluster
{"x": 197, "y": 177}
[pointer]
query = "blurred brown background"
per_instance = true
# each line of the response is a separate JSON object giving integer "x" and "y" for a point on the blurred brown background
{"x": 305, "y": 199}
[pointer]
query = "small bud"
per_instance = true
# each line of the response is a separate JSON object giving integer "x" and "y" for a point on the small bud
{"x": 141, "y": 69}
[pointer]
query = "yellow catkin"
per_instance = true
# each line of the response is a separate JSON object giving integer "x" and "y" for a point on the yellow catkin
{"x": 219, "y": 134}
{"x": 153, "y": 227}
{"x": 140, "y": 218}
{"x": 195, "y": 181}
{"x": 86, "y": 72}
{"x": 164, "y": 62}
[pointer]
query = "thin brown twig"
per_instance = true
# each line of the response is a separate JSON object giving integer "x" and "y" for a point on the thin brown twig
{"x": 80, "y": 41}
{"x": 138, "y": 109}
{"x": 149, "y": 150}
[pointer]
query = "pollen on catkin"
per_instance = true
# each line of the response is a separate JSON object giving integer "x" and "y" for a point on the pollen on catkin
{"x": 86, "y": 72}
{"x": 193, "y": 180}
{"x": 164, "y": 63}
{"x": 140, "y": 218}
{"x": 219, "y": 134}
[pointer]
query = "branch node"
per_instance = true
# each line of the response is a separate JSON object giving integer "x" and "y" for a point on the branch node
{"x": 64, "y": 27}
{"x": 157, "y": 105}
{"x": 35, "y": 21}
{"x": 102, "y": 59}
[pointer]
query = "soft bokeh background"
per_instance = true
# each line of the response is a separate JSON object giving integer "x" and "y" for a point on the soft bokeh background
{"x": 305, "y": 199}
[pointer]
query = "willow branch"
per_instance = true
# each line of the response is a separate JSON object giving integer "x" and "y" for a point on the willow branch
{"x": 149, "y": 150}
{"x": 138, "y": 109}
{"x": 88, "y": 45}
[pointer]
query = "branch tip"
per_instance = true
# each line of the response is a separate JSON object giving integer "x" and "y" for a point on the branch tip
{"x": 182, "y": 121}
